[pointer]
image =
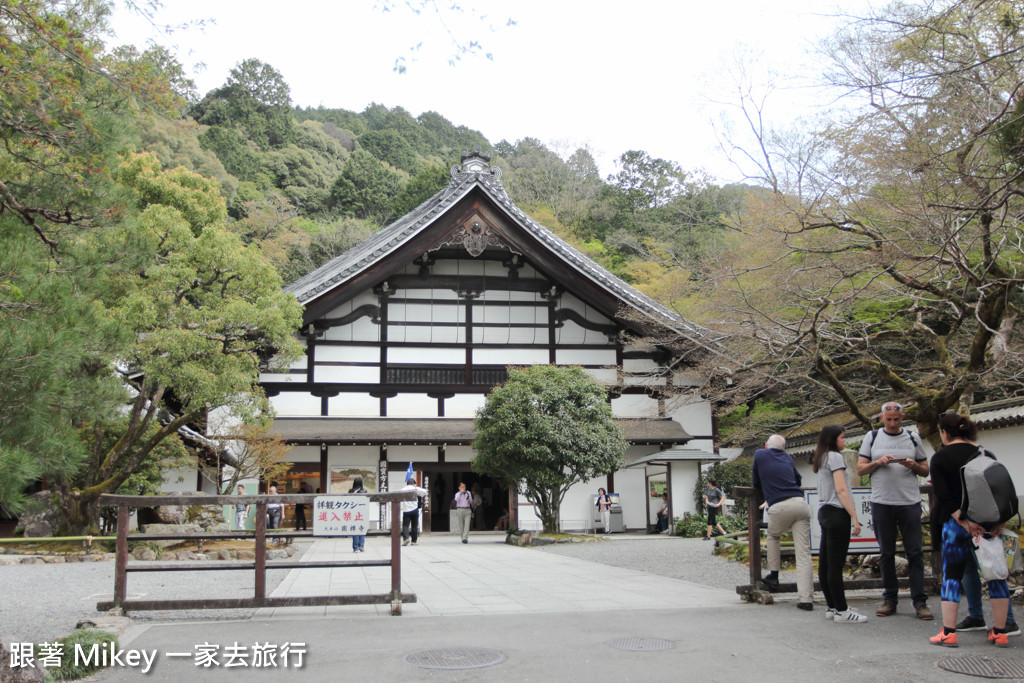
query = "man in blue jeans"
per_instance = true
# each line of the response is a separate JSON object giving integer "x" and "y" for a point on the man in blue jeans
{"x": 894, "y": 459}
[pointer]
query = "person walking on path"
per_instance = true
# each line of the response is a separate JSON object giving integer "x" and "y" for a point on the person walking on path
{"x": 411, "y": 513}
{"x": 894, "y": 459}
{"x": 713, "y": 499}
{"x": 463, "y": 503}
{"x": 835, "y": 516}
{"x": 958, "y": 436}
{"x": 275, "y": 511}
{"x": 359, "y": 541}
{"x": 241, "y": 510}
{"x": 604, "y": 507}
{"x": 777, "y": 481}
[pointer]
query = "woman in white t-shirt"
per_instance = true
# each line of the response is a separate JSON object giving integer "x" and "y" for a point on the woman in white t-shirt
{"x": 836, "y": 514}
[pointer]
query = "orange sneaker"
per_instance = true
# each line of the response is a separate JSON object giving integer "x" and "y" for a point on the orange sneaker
{"x": 946, "y": 639}
{"x": 997, "y": 639}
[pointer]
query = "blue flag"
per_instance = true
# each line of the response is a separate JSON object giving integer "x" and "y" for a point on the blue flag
{"x": 408, "y": 472}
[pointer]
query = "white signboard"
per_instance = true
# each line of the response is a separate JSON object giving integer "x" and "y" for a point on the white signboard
{"x": 866, "y": 542}
{"x": 341, "y": 515}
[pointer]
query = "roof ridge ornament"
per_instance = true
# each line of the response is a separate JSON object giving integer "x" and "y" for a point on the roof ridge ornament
{"x": 476, "y": 165}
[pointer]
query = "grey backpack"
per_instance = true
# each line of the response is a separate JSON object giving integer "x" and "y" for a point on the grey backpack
{"x": 989, "y": 497}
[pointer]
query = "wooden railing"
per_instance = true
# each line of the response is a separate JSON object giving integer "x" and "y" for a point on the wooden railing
{"x": 755, "y": 524}
{"x": 259, "y": 565}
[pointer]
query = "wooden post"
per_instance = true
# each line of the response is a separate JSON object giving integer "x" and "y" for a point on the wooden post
{"x": 261, "y": 550}
{"x": 121, "y": 557}
{"x": 396, "y": 559}
{"x": 754, "y": 541}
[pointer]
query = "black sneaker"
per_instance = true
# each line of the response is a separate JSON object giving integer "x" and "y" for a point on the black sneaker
{"x": 771, "y": 584}
{"x": 1012, "y": 629}
{"x": 971, "y": 624}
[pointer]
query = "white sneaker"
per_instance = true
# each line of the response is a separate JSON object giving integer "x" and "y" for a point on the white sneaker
{"x": 850, "y": 616}
{"x": 831, "y": 613}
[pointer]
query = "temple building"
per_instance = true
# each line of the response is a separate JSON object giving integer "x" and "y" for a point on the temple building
{"x": 406, "y": 334}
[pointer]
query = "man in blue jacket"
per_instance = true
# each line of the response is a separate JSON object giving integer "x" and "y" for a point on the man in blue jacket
{"x": 778, "y": 482}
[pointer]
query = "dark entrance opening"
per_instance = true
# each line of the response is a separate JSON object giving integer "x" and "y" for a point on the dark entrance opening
{"x": 444, "y": 484}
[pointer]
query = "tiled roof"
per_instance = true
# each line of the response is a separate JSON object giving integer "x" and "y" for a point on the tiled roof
{"x": 441, "y": 430}
{"x": 475, "y": 172}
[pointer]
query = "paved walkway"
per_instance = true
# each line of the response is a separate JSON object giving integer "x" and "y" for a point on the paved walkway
{"x": 486, "y": 576}
{"x": 550, "y": 618}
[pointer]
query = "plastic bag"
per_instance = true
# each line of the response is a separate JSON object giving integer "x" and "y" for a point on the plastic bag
{"x": 991, "y": 557}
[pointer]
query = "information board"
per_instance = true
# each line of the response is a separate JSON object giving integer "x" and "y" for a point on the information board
{"x": 344, "y": 515}
{"x": 866, "y": 542}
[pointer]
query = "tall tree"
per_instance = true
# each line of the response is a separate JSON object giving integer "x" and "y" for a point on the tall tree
{"x": 200, "y": 313}
{"x": 544, "y": 430}
{"x": 885, "y": 260}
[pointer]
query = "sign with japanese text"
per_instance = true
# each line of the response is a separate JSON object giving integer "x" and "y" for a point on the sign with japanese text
{"x": 341, "y": 515}
{"x": 866, "y": 542}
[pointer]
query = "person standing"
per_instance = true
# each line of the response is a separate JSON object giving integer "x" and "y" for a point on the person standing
{"x": 778, "y": 482}
{"x": 463, "y": 502}
{"x": 241, "y": 510}
{"x": 274, "y": 513}
{"x": 894, "y": 459}
{"x": 359, "y": 542}
{"x": 604, "y": 507}
{"x": 478, "y": 509}
{"x": 958, "y": 436}
{"x": 300, "y": 508}
{"x": 835, "y": 516}
{"x": 663, "y": 515}
{"x": 411, "y": 512}
{"x": 713, "y": 500}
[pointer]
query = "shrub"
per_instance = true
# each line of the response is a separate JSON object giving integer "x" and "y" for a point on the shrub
{"x": 692, "y": 526}
{"x": 69, "y": 670}
{"x": 728, "y": 475}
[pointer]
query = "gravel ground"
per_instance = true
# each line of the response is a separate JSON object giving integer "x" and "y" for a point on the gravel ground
{"x": 687, "y": 559}
{"x": 41, "y": 602}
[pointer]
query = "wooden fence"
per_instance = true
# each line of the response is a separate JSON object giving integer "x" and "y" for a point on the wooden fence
{"x": 259, "y": 565}
{"x": 752, "y": 591}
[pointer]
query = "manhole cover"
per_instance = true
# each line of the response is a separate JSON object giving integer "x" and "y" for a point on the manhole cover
{"x": 984, "y": 667}
{"x": 641, "y": 644}
{"x": 452, "y": 658}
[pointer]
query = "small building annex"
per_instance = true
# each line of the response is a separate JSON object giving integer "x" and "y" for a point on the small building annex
{"x": 406, "y": 333}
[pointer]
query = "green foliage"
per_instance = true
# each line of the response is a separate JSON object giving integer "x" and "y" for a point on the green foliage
{"x": 728, "y": 475}
{"x": 696, "y": 525}
{"x": 85, "y": 638}
{"x": 420, "y": 188}
{"x": 389, "y": 146}
{"x": 366, "y": 188}
{"x": 545, "y": 429}
{"x": 753, "y": 421}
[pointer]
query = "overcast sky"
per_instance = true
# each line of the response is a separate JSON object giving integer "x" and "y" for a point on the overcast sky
{"x": 648, "y": 75}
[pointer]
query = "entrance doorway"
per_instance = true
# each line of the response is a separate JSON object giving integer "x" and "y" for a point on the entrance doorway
{"x": 444, "y": 484}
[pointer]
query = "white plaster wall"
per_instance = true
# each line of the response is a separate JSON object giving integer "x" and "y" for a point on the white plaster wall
{"x": 304, "y": 454}
{"x": 608, "y": 376}
{"x": 632, "y": 485}
{"x": 350, "y": 354}
{"x": 1005, "y": 444}
{"x": 585, "y": 356}
{"x": 179, "y": 480}
{"x": 353, "y": 405}
{"x": 510, "y": 356}
{"x": 412, "y": 405}
{"x": 684, "y": 476}
{"x": 463, "y": 405}
{"x": 695, "y": 418}
{"x": 346, "y": 374}
{"x": 295, "y": 404}
{"x": 635, "y": 405}
{"x": 459, "y": 454}
{"x": 426, "y": 354}
{"x": 403, "y": 455}
{"x": 510, "y": 335}
{"x": 281, "y": 377}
